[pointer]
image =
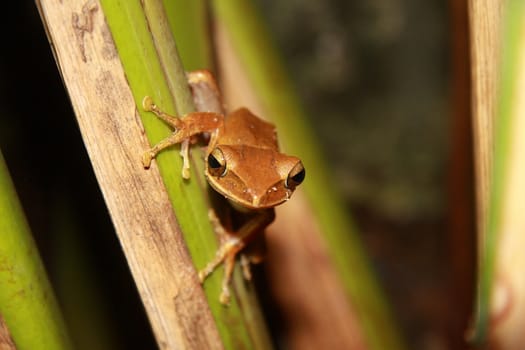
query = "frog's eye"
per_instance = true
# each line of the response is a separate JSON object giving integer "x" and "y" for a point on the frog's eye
{"x": 216, "y": 163}
{"x": 295, "y": 176}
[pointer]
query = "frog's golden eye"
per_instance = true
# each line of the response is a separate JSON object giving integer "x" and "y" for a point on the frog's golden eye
{"x": 216, "y": 163}
{"x": 295, "y": 176}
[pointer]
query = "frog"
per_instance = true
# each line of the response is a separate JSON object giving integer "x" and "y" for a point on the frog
{"x": 245, "y": 169}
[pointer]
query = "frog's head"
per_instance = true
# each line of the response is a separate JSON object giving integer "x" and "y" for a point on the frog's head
{"x": 251, "y": 177}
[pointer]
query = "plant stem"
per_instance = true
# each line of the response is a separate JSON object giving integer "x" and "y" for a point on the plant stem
{"x": 27, "y": 302}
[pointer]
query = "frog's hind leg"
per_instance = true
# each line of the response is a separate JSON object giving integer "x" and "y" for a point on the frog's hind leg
{"x": 225, "y": 255}
{"x": 230, "y": 246}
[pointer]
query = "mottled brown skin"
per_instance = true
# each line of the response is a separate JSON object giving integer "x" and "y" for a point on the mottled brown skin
{"x": 244, "y": 165}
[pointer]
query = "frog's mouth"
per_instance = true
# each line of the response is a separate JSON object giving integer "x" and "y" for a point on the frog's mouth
{"x": 254, "y": 206}
{"x": 250, "y": 200}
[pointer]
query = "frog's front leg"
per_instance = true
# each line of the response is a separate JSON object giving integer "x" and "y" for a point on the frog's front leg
{"x": 231, "y": 244}
{"x": 183, "y": 128}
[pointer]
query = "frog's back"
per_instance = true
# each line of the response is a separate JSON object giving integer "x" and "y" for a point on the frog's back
{"x": 242, "y": 127}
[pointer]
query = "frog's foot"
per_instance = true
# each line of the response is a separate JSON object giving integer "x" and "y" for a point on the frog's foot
{"x": 184, "y": 152}
{"x": 225, "y": 255}
{"x": 183, "y": 130}
{"x": 176, "y": 123}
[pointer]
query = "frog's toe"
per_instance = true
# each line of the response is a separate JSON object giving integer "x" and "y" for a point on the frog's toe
{"x": 147, "y": 103}
{"x": 146, "y": 159}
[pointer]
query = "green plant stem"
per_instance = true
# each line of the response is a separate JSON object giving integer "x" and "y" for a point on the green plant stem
{"x": 27, "y": 302}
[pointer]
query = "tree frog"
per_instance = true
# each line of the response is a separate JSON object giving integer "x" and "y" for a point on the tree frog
{"x": 244, "y": 166}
